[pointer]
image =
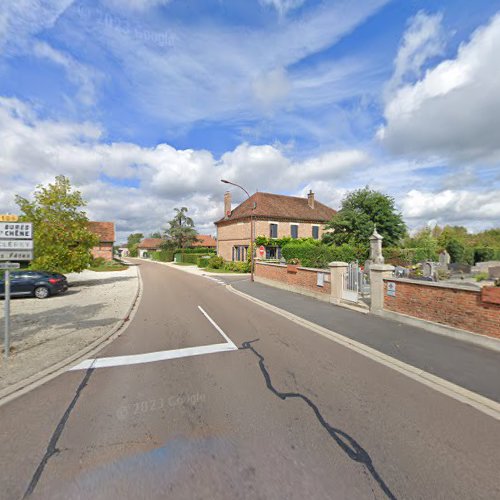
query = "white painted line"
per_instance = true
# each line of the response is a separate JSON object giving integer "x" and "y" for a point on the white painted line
{"x": 151, "y": 357}
{"x": 229, "y": 341}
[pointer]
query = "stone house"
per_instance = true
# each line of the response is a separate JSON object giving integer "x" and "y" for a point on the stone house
{"x": 106, "y": 233}
{"x": 148, "y": 245}
{"x": 275, "y": 216}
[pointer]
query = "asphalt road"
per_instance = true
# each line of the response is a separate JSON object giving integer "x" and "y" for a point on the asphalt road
{"x": 289, "y": 414}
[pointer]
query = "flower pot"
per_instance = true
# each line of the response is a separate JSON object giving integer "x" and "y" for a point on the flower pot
{"x": 291, "y": 268}
{"x": 490, "y": 294}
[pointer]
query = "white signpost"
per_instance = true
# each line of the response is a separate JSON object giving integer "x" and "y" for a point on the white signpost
{"x": 16, "y": 243}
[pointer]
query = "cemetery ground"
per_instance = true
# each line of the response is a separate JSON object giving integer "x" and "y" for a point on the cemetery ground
{"x": 45, "y": 333}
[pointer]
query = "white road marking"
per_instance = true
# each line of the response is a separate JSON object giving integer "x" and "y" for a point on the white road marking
{"x": 150, "y": 357}
{"x": 228, "y": 340}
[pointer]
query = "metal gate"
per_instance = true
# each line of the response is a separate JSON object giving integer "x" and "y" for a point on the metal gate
{"x": 355, "y": 283}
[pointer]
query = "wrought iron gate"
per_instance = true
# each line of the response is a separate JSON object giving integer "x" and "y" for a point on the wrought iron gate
{"x": 355, "y": 283}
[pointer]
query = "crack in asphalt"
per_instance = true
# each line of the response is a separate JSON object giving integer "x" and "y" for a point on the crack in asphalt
{"x": 347, "y": 443}
{"x": 51, "y": 448}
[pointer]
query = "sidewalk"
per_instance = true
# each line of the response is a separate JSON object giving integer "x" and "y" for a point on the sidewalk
{"x": 469, "y": 366}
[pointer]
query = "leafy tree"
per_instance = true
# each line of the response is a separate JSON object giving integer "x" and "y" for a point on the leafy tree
{"x": 133, "y": 241}
{"x": 361, "y": 210}
{"x": 61, "y": 237}
{"x": 181, "y": 231}
{"x": 156, "y": 234}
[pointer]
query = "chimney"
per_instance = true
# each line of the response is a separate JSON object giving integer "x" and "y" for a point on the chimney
{"x": 227, "y": 204}
{"x": 310, "y": 199}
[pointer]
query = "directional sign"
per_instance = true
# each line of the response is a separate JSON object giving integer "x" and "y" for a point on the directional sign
{"x": 16, "y": 244}
{"x": 16, "y": 255}
{"x": 16, "y": 230}
{"x": 10, "y": 265}
{"x": 8, "y": 218}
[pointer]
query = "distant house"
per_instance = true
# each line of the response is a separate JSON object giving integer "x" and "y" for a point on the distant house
{"x": 206, "y": 241}
{"x": 275, "y": 216}
{"x": 148, "y": 245}
{"x": 106, "y": 233}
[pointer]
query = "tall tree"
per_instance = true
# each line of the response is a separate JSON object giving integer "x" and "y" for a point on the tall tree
{"x": 133, "y": 241}
{"x": 181, "y": 230}
{"x": 360, "y": 211}
{"x": 60, "y": 226}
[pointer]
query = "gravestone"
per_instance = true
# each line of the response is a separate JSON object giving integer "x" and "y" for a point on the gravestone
{"x": 401, "y": 272}
{"x": 460, "y": 268}
{"x": 428, "y": 269}
{"x": 494, "y": 272}
{"x": 444, "y": 259}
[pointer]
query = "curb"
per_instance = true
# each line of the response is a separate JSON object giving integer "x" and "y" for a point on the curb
{"x": 24, "y": 386}
{"x": 480, "y": 403}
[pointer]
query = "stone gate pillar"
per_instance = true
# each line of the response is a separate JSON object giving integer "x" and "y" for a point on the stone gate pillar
{"x": 337, "y": 271}
{"x": 377, "y": 274}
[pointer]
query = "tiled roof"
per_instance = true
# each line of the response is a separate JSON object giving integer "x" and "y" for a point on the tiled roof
{"x": 151, "y": 243}
{"x": 105, "y": 230}
{"x": 205, "y": 240}
{"x": 277, "y": 206}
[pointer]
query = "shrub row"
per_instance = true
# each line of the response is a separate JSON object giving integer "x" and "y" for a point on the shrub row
{"x": 163, "y": 255}
{"x": 202, "y": 250}
{"x": 319, "y": 255}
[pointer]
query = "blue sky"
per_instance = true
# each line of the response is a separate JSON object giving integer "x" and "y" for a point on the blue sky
{"x": 146, "y": 104}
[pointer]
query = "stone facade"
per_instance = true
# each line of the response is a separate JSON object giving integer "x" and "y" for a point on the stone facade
{"x": 449, "y": 305}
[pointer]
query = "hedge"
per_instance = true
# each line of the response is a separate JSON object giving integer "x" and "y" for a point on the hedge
{"x": 320, "y": 255}
{"x": 203, "y": 250}
{"x": 163, "y": 255}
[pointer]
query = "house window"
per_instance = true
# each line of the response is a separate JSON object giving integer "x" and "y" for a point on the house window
{"x": 240, "y": 253}
{"x": 315, "y": 232}
{"x": 294, "y": 230}
{"x": 273, "y": 230}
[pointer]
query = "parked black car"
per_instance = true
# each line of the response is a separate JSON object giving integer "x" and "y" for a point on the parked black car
{"x": 39, "y": 284}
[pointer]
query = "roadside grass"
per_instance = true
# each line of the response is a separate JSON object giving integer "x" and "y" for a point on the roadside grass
{"x": 184, "y": 264}
{"x": 108, "y": 266}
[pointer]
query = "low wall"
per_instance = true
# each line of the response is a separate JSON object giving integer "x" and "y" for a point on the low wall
{"x": 451, "y": 305}
{"x": 304, "y": 281}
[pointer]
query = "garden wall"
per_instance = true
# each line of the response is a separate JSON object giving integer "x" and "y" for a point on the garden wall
{"x": 451, "y": 305}
{"x": 304, "y": 281}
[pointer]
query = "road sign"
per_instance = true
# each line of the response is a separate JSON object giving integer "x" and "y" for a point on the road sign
{"x": 10, "y": 265}
{"x": 16, "y": 230}
{"x": 262, "y": 250}
{"x": 8, "y": 218}
{"x": 16, "y": 255}
{"x": 16, "y": 244}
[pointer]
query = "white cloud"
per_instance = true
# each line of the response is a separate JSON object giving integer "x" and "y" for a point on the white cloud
{"x": 283, "y": 6}
{"x": 79, "y": 74}
{"x": 136, "y": 5}
{"x": 135, "y": 185}
{"x": 271, "y": 87}
{"x": 423, "y": 39}
{"x": 474, "y": 209}
{"x": 453, "y": 112}
{"x": 22, "y": 19}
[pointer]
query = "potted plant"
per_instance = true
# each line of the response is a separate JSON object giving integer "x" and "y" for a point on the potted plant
{"x": 491, "y": 294}
{"x": 292, "y": 265}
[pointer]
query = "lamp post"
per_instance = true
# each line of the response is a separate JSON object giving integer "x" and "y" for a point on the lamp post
{"x": 251, "y": 225}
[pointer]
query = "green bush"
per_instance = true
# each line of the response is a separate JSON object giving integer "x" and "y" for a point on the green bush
{"x": 203, "y": 261}
{"x": 97, "y": 262}
{"x": 163, "y": 256}
{"x": 319, "y": 255}
{"x": 216, "y": 262}
{"x": 483, "y": 254}
{"x": 203, "y": 250}
{"x": 237, "y": 267}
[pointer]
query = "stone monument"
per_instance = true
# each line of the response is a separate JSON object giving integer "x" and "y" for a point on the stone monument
{"x": 376, "y": 256}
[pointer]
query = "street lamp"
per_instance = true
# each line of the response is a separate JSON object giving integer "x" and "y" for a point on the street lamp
{"x": 251, "y": 225}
